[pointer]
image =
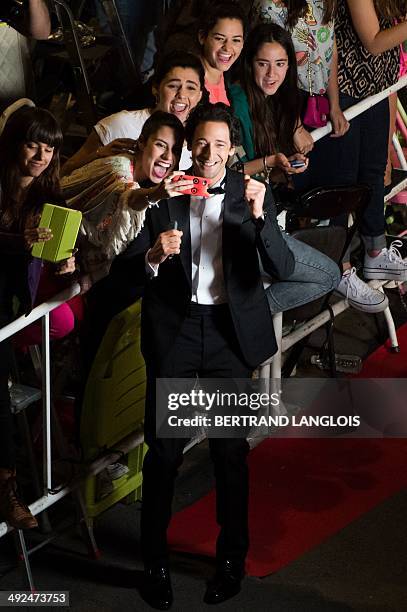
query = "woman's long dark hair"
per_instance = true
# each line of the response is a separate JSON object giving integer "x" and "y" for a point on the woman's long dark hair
{"x": 161, "y": 119}
{"x": 299, "y": 8}
{"x": 28, "y": 125}
{"x": 274, "y": 117}
{"x": 391, "y": 9}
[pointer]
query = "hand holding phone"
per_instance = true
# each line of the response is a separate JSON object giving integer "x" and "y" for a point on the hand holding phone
{"x": 297, "y": 163}
{"x": 199, "y": 185}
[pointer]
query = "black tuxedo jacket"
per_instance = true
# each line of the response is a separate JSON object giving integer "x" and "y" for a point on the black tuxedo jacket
{"x": 168, "y": 296}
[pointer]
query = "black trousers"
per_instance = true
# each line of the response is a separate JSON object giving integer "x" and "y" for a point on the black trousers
{"x": 206, "y": 346}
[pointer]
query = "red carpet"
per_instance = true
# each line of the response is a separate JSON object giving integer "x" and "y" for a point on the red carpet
{"x": 384, "y": 364}
{"x": 305, "y": 490}
{"x": 302, "y": 492}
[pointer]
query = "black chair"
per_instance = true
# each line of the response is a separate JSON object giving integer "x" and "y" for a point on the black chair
{"x": 315, "y": 206}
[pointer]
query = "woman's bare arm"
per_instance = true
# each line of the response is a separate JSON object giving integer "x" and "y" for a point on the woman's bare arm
{"x": 94, "y": 149}
{"x": 87, "y": 153}
{"x": 366, "y": 23}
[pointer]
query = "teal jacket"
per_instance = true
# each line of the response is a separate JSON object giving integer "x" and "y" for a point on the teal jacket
{"x": 241, "y": 109}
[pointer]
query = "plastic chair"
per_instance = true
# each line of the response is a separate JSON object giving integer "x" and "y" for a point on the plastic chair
{"x": 113, "y": 407}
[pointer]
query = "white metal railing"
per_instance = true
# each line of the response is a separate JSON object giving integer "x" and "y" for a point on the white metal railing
{"x": 361, "y": 107}
{"x": 43, "y": 310}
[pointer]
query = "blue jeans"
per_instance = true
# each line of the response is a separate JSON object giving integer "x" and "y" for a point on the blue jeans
{"x": 360, "y": 156}
{"x": 314, "y": 275}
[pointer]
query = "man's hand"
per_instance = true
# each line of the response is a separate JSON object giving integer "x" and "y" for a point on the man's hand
{"x": 168, "y": 243}
{"x": 254, "y": 193}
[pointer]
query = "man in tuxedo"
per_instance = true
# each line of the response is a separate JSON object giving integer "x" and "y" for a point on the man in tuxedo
{"x": 205, "y": 313}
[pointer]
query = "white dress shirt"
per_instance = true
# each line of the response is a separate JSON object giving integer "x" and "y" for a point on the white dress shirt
{"x": 206, "y": 219}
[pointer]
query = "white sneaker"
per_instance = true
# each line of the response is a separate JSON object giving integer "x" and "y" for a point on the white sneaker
{"x": 388, "y": 265}
{"x": 359, "y": 294}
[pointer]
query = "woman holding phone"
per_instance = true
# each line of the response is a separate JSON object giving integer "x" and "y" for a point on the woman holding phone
{"x": 266, "y": 103}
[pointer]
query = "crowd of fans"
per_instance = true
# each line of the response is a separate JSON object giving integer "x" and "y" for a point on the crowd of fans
{"x": 268, "y": 66}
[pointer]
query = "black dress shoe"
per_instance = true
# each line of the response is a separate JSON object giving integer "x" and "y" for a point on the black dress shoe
{"x": 225, "y": 584}
{"x": 156, "y": 589}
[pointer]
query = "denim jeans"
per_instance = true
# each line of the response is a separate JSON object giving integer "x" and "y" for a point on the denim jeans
{"x": 314, "y": 275}
{"x": 360, "y": 156}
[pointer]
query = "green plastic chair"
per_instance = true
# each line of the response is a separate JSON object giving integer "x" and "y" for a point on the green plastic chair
{"x": 113, "y": 407}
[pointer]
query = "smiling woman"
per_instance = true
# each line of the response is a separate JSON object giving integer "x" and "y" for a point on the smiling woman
{"x": 114, "y": 192}
{"x": 178, "y": 87}
{"x": 221, "y": 38}
{"x": 29, "y": 167}
{"x": 266, "y": 102}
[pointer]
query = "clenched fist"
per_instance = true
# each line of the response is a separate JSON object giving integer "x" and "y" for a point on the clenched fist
{"x": 167, "y": 244}
{"x": 254, "y": 193}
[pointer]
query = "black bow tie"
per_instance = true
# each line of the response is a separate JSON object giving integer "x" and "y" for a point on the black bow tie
{"x": 215, "y": 190}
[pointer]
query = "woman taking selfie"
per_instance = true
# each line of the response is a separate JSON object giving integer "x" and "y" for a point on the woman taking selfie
{"x": 114, "y": 192}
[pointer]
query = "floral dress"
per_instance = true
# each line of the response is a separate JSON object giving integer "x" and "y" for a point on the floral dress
{"x": 311, "y": 38}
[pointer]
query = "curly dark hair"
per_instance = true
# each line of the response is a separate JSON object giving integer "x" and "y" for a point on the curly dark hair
{"x": 175, "y": 59}
{"x": 218, "y": 112}
{"x": 224, "y": 10}
{"x": 29, "y": 125}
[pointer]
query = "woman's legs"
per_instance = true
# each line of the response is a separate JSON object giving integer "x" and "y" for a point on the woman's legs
{"x": 393, "y": 113}
{"x": 380, "y": 262}
{"x": 7, "y": 456}
{"x": 12, "y": 509}
{"x": 61, "y": 320}
{"x": 314, "y": 275}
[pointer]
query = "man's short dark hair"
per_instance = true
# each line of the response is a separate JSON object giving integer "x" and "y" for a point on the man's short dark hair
{"x": 213, "y": 112}
{"x": 224, "y": 10}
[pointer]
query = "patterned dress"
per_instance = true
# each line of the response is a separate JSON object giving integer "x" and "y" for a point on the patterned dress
{"x": 361, "y": 74}
{"x": 311, "y": 39}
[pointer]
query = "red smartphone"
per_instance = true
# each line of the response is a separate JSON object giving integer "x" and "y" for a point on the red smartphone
{"x": 199, "y": 188}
